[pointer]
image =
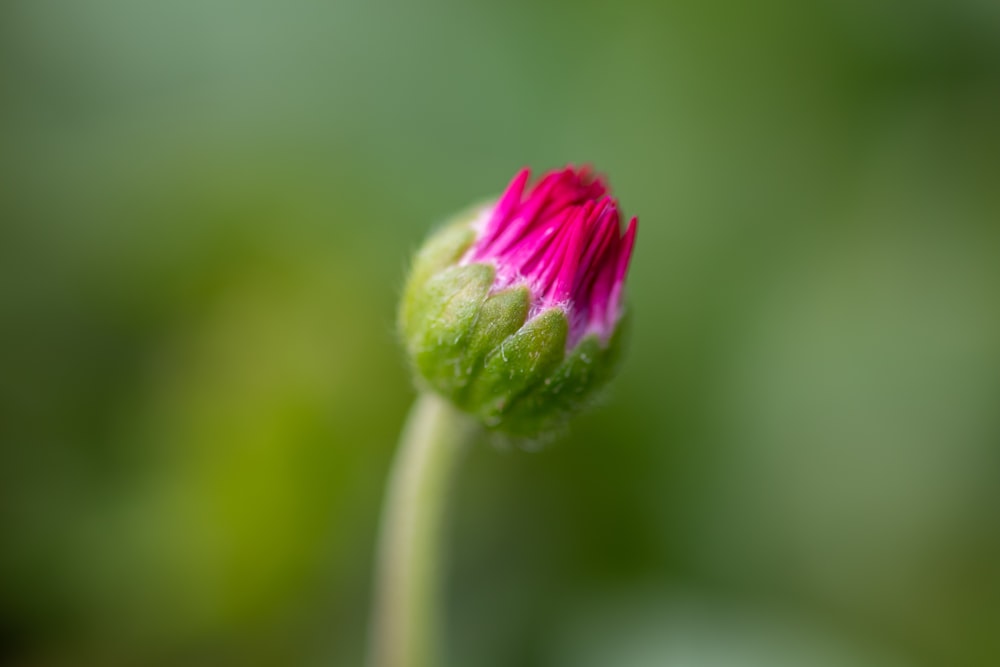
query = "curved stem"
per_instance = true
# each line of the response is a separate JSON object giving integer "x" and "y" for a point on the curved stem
{"x": 406, "y": 614}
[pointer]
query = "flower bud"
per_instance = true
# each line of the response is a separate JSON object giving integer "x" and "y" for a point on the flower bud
{"x": 514, "y": 310}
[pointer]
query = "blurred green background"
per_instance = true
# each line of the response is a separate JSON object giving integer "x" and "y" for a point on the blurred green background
{"x": 206, "y": 210}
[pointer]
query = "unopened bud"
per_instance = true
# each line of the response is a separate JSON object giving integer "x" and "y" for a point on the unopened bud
{"x": 514, "y": 311}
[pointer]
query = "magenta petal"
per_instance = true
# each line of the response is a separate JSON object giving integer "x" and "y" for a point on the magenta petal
{"x": 621, "y": 270}
{"x": 512, "y": 197}
{"x": 562, "y": 287}
{"x": 625, "y": 253}
{"x": 563, "y": 240}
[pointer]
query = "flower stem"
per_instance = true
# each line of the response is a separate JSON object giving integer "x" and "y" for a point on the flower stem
{"x": 406, "y": 614}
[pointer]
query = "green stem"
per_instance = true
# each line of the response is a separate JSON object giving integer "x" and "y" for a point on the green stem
{"x": 406, "y": 614}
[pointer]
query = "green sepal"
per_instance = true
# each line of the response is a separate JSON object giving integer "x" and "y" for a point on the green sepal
{"x": 520, "y": 362}
{"x": 442, "y": 249}
{"x": 571, "y": 388}
{"x": 445, "y": 314}
{"x": 502, "y": 314}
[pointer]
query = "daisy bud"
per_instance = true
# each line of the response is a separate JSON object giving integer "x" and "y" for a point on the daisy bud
{"x": 514, "y": 311}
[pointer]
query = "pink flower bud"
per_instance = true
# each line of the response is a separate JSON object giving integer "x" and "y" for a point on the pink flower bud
{"x": 562, "y": 240}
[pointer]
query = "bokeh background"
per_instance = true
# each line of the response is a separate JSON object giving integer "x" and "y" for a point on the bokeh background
{"x": 206, "y": 210}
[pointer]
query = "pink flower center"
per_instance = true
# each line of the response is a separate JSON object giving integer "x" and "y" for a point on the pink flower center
{"x": 564, "y": 241}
